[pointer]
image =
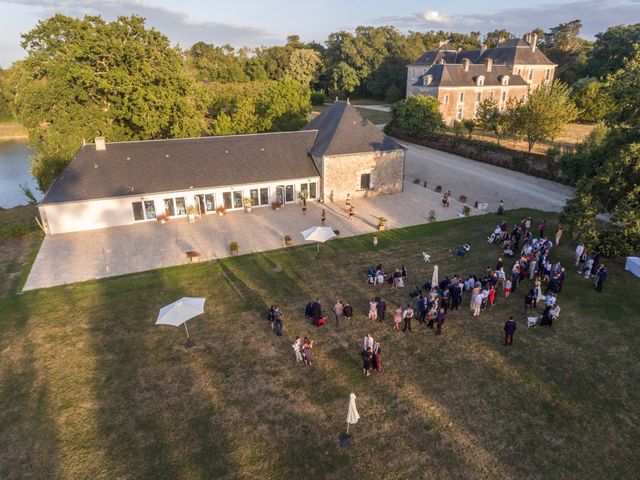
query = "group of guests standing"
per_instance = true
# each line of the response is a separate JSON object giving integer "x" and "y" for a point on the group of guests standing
{"x": 590, "y": 266}
{"x": 371, "y": 355}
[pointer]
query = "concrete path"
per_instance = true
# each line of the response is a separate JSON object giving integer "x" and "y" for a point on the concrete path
{"x": 75, "y": 257}
{"x": 482, "y": 182}
{"x": 380, "y": 108}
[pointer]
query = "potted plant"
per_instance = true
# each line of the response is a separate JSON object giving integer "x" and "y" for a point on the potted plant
{"x": 466, "y": 210}
{"x": 248, "y": 204}
{"x": 432, "y": 216}
{"x": 192, "y": 211}
{"x": 193, "y": 256}
{"x": 276, "y": 204}
{"x": 221, "y": 211}
{"x": 382, "y": 222}
{"x": 416, "y": 181}
{"x": 439, "y": 188}
{"x": 463, "y": 198}
{"x": 288, "y": 241}
{"x": 303, "y": 195}
{"x": 234, "y": 247}
{"x": 162, "y": 218}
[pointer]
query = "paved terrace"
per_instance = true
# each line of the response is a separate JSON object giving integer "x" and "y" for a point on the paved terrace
{"x": 75, "y": 257}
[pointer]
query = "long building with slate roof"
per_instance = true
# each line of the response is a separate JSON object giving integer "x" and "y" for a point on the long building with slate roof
{"x": 462, "y": 79}
{"x": 110, "y": 184}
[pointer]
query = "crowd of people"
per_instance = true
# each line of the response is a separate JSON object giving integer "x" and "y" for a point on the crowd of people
{"x": 531, "y": 270}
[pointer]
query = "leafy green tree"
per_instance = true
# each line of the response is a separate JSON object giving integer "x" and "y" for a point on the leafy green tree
{"x": 393, "y": 94}
{"x": 84, "y": 77}
{"x": 254, "y": 69}
{"x": 563, "y": 45}
{"x": 491, "y": 39}
{"x": 6, "y": 99}
{"x": 419, "y": 116}
{"x": 624, "y": 88}
{"x": 611, "y": 49}
{"x": 592, "y": 99}
{"x": 216, "y": 64}
{"x": 344, "y": 79}
{"x": 545, "y": 112}
{"x": 489, "y": 117}
{"x": 470, "y": 125}
{"x": 283, "y": 106}
{"x": 304, "y": 64}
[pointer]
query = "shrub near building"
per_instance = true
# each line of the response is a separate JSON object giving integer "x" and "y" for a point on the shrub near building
{"x": 418, "y": 116}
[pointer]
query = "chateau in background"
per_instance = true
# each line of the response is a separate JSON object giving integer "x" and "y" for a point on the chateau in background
{"x": 461, "y": 79}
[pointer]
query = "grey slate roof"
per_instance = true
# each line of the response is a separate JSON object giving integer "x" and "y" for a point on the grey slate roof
{"x": 453, "y": 75}
{"x": 431, "y": 57}
{"x": 514, "y": 51}
{"x": 157, "y": 166}
{"x": 342, "y": 130}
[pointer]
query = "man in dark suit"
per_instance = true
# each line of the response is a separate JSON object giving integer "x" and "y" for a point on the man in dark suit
{"x": 601, "y": 276}
{"x": 509, "y": 330}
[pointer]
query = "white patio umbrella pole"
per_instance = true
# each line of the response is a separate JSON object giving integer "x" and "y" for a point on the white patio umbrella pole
{"x": 185, "y": 327}
{"x": 317, "y": 247}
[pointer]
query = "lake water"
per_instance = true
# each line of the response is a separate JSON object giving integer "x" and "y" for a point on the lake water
{"x": 14, "y": 171}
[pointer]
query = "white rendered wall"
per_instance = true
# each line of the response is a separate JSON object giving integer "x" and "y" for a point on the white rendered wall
{"x": 113, "y": 212}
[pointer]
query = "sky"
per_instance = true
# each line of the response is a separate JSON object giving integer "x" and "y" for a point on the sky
{"x": 268, "y": 22}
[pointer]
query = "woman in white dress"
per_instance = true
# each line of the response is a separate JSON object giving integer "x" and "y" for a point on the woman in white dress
{"x": 373, "y": 309}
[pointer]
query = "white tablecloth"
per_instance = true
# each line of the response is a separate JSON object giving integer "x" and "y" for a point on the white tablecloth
{"x": 633, "y": 265}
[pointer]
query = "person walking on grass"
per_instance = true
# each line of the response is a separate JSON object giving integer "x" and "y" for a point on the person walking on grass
{"x": 307, "y": 348}
{"x": 440, "y": 318}
{"x": 368, "y": 342}
{"x": 408, "y": 315}
{"x": 382, "y": 308}
{"x": 397, "y": 318}
{"x": 507, "y": 289}
{"x": 558, "y": 235}
{"x": 579, "y": 252}
{"x": 366, "y": 361}
{"x": 601, "y": 275}
{"x": 297, "y": 349}
{"x": 338, "y": 310}
{"x": 509, "y": 330}
{"x": 373, "y": 309}
{"x": 376, "y": 358}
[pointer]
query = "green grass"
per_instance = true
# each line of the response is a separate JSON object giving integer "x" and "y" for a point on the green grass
{"x": 90, "y": 388}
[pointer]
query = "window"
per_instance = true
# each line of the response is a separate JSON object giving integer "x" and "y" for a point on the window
{"x": 138, "y": 212}
{"x": 480, "y": 81}
{"x": 237, "y": 199}
{"x": 504, "y": 96}
{"x": 169, "y": 208}
{"x": 313, "y": 190}
{"x": 181, "y": 206}
{"x": 226, "y": 200}
{"x": 490, "y": 95}
{"x": 461, "y": 98}
{"x": 518, "y": 71}
{"x": 288, "y": 196}
{"x": 478, "y": 96}
{"x": 365, "y": 181}
{"x": 530, "y": 74}
{"x": 264, "y": 196}
{"x": 505, "y": 80}
{"x": 253, "y": 195}
{"x": 446, "y": 98}
{"x": 459, "y": 114}
{"x": 547, "y": 74}
{"x": 210, "y": 202}
{"x": 149, "y": 209}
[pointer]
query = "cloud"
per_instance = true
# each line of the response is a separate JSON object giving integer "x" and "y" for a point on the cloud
{"x": 178, "y": 26}
{"x": 596, "y": 16}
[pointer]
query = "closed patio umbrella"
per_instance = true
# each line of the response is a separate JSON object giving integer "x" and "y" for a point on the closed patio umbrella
{"x": 178, "y": 312}
{"x": 318, "y": 234}
{"x": 434, "y": 278}
{"x": 352, "y": 413}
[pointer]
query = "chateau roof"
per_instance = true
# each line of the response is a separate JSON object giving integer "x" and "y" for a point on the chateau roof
{"x": 453, "y": 75}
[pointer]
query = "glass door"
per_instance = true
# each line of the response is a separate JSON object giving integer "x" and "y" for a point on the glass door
{"x": 280, "y": 194}
{"x": 264, "y": 196}
{"x": 226, "y": 200}
{"x": 210, "y": 202}
{"x": 200, "y": 204}
{"x": 237, "y": 199}
{"x": 288, "y": 197}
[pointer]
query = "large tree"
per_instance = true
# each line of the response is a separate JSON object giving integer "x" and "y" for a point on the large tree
{"x": 545, "y": 112}
{"x": 612, "y": 48}
{"x": 592, "y": 99}
{"x": 304, "y": 65}
{"x": 419, "y": 116}
{"x": 87, "y": 77}
{"x": 6, "y": 98}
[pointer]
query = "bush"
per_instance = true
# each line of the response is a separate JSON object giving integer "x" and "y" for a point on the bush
{"x": 553, "y": 151}
{"x": 318, "y": 97}
{"x": 466, "y": 210}
{"x": 234, "y": 247}
{"x": 15, "y": 230}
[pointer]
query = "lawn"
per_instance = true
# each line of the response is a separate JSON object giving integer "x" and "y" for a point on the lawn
{"x": 90, "y": 388}
{"x": 12, "y": 131}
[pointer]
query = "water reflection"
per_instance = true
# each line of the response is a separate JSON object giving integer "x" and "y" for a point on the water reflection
{"x": 14, "y": 170}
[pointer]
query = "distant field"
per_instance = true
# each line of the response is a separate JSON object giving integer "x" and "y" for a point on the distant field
{"x": 12, "y": 131}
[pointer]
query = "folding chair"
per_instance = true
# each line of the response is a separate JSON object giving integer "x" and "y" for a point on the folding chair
{"x": 532, "y": 322}
{"x": 555, "y": 312}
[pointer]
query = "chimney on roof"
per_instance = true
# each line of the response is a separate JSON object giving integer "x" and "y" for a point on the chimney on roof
{"x": 483, "y": 48}
{"x": 465, "y": 62}
{"x": 500, "y": 40}
{"x": 527, "y": 38}
{"x": 534, "y": 42}
{"x": 489, "y": 64}
{"x": 100, "y": 144}
{"x": 442, "y": 60}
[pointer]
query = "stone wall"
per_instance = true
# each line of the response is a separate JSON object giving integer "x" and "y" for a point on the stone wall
{"x": 342, "y": 174}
